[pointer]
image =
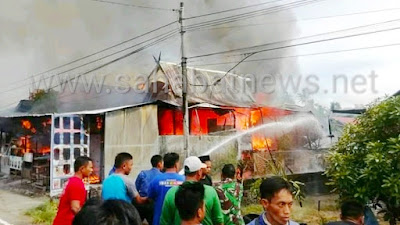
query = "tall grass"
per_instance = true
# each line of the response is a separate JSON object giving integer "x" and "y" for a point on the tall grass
{"x": 44, "y": 213}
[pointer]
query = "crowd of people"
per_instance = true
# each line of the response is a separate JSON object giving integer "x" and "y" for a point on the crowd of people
{"x": 162, "y": 196}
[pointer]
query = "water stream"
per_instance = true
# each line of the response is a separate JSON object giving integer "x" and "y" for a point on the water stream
{"x": 276, "y": 129}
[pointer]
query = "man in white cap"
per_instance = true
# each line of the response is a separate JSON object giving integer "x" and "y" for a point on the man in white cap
{"x": 193, "y": 173}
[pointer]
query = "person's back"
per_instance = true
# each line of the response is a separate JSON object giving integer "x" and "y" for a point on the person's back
{"x": 352, "y": 213}
{"x": 115, "y": 187}
{"x": 340, "y": 223}
{"x": 143, "y": 182}
{"x": 213, "y": 215}
{"x": 145, "y": 177}
{"x": 189, "y": 200}
{"x": 118, "y": 186}
{"x": 162, "y": 183}
{"x": 110, "y": 212}
{"x": 230, "y": 194}
{"x": 193, "y": 173}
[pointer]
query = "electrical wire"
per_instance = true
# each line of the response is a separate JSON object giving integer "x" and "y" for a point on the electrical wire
{"x": 296, "y": 20}
{"x": 290, "y": 40}
{"x": 248, "y": 55}
{"x": 302, "y": 55}
{"x": 230, "y": 10}
{"x": 122, "y": 57}
{"x": 131, "y": 5}
{"x": 95, "y": 53}
{"x": 88, "y": 63}
{"x": 64, "y": 96}
{"x": 241, "y": 15}
{"x": 108, "y": 63}
{"x": 251, "y": 14}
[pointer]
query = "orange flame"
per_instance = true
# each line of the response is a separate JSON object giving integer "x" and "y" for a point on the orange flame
{"x": 260, "y": 143}
{"x": 44, "y": 150}
{"x": 99, "y": 122}
{"x": 93, "y": 179}
{"x": 25, "y": 144}
{"x": 255, "y": 118}
{"x": 26, "y": 124}
{"x": 243, "y": 124}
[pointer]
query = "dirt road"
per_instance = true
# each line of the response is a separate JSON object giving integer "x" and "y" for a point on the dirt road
{"x": 13, "y": 206}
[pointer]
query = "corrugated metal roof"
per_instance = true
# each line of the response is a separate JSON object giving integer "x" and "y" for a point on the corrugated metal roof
{"x": 231, "y": 90}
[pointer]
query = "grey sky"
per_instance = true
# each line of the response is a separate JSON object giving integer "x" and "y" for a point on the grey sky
{"x": 37, "y": 35}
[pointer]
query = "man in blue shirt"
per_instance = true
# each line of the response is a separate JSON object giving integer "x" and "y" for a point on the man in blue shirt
{"x": 142, "y": 184}
{"x": 162, "y": 183}
{"x": 118, "y": 186}
{"x": 111, "y": 171}
{"x": 277, "y": 201}
{"x": 146, "y": 176}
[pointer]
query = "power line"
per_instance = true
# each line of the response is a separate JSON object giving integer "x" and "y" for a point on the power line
{"x": 95, "y": 53}
{"x": 241, "y": 15}
{"x": 110, "y": 62}
{"x": 131, "y": 5}
{"x": 237, "y": 64}
{"x": 88, "y": 63}
{"x": 289, "y": 40}
{"x": 302, "y": 55}
{"x": 141, "y": 55}
{"x": 230, "y": 10}
{"x": 122, "y": 57}
{"x": 248, "y": 55}
{"x": 296, "y": 20}
{"x": 324, "y": 40}
{"x": 251, "y": 14}
{"x": 227, "y": 72}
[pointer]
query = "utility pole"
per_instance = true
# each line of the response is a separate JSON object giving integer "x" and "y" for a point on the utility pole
{"x": 185, "y": 110}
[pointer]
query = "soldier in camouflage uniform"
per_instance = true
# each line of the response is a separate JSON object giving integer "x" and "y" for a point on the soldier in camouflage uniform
{"x": 230, "y": 193}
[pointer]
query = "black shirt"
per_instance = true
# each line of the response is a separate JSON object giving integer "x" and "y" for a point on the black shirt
{"x": 206, "y": 180}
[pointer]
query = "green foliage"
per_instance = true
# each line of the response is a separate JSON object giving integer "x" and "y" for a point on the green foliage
{"x": 44, "y": 101}
{"x": 365, "y": 163}
{"x": 252, "y": 209}
{"x": 277, "y": 168}
{"x": 44, "y": 213}
{"x": 229, "y": 157}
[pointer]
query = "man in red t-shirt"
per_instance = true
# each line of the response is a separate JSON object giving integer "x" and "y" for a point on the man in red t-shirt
{"x": 74, "y": 194}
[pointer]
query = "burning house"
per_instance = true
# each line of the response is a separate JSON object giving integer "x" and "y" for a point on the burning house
{"x": 25, "y": 144}
{"x": 145, "y": 123}
{"x": 34, "y": 144}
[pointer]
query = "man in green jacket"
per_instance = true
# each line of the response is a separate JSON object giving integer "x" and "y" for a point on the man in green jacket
{"x": 230, "y": 193}
{"x": 193, "y": 173}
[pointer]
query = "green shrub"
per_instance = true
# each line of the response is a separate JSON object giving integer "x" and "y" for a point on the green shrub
{"x": 229, "y": 157}
{"x": 44, "y": 213}
{"x": 365, "y": 163}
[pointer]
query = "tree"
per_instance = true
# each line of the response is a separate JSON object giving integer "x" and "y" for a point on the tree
{"x": 365, "y": 163}
{"x": 44, "y": 101}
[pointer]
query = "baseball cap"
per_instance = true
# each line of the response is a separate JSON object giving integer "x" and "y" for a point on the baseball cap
{"x": 193, "y": 164}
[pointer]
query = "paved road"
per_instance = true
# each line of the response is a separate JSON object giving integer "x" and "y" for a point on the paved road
{"x": 13, "y": 206}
